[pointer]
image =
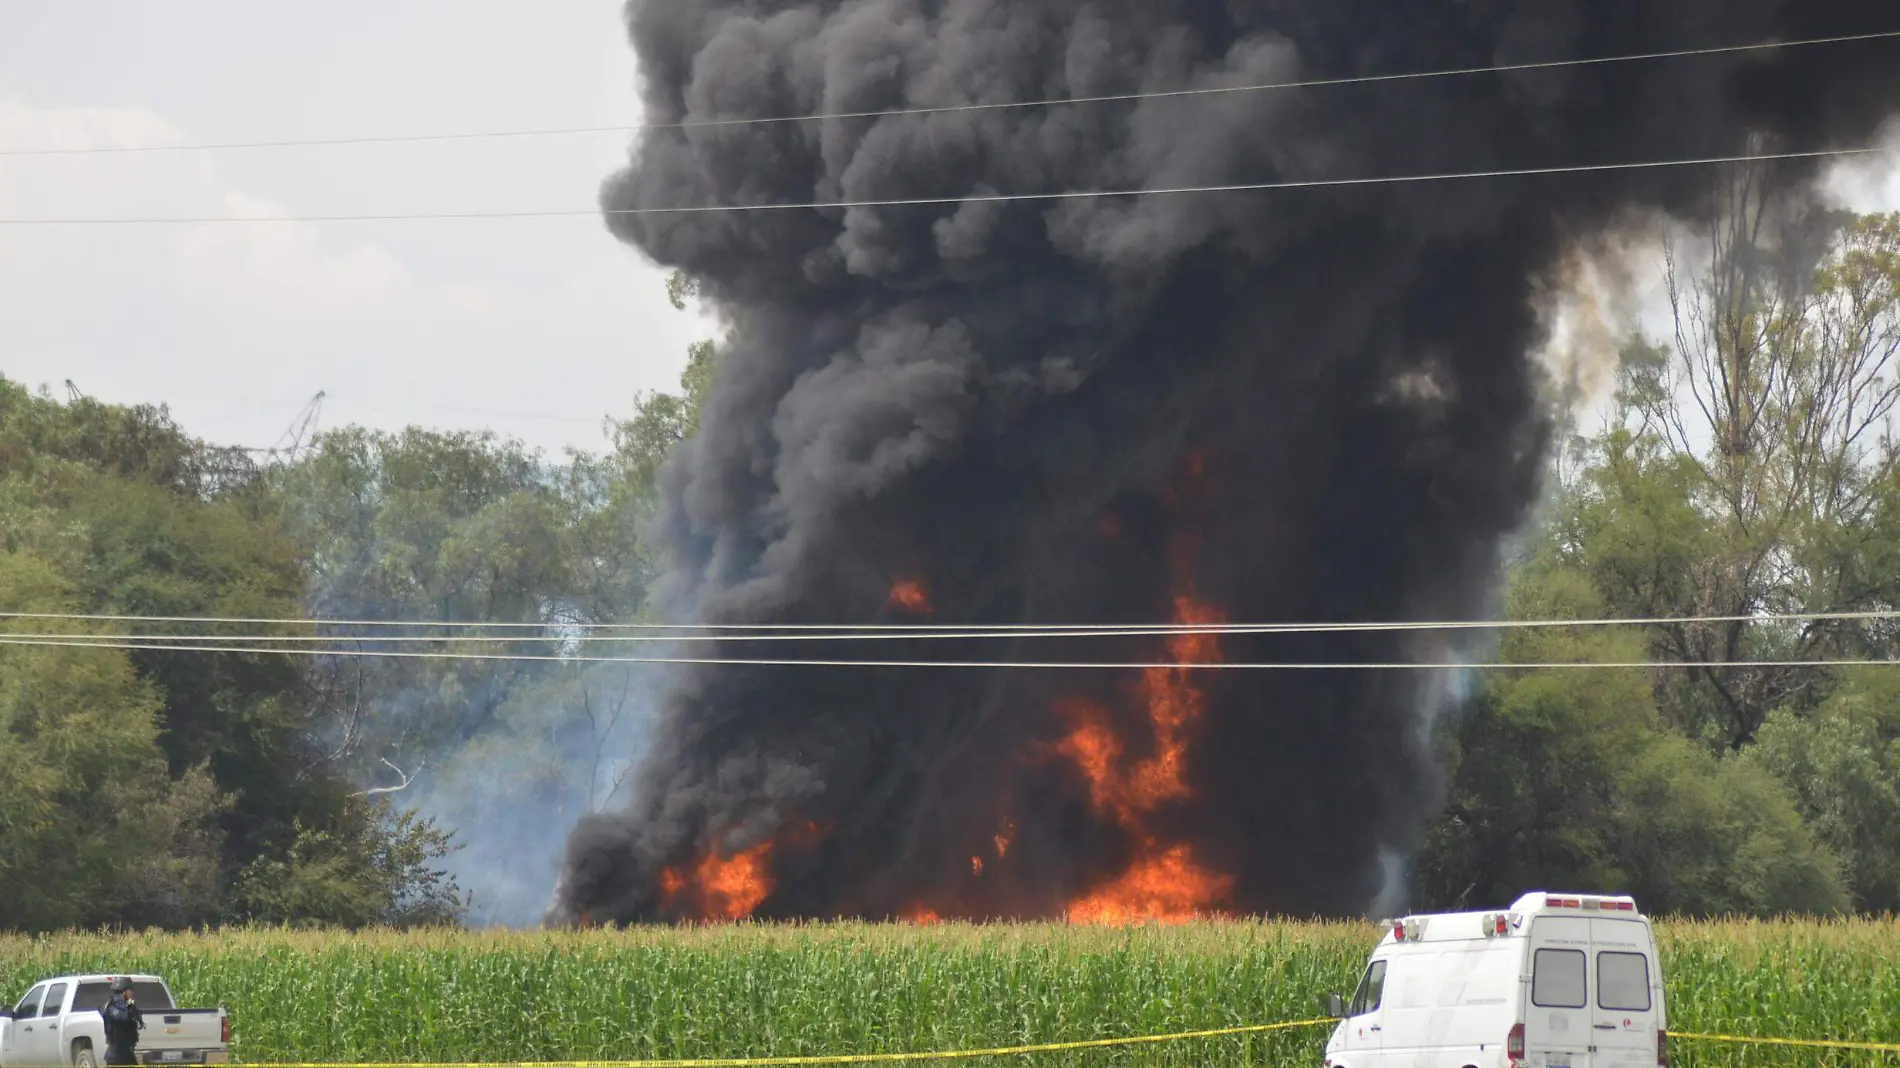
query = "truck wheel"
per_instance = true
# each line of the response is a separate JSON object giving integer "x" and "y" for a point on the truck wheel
{"x": 82, "y": 1056}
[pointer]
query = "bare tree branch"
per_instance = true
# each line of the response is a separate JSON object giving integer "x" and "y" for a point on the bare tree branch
{"x": 407, "y": 778}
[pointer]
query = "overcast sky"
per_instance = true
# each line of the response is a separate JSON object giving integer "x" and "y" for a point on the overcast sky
{"x": 535, "y": 327}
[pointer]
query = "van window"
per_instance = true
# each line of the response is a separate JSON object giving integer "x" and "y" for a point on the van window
{"x": 30, "y": 1004}
{"x": 55, "y": 999}
{"x": 90, "y": 997}
{"x": 1557, "y": 979}
{"x": 1371, "y": 990}
{"x": 1623, "y": 982}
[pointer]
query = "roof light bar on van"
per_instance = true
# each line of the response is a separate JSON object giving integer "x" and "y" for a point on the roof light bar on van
{"x": 1601, "y": 904}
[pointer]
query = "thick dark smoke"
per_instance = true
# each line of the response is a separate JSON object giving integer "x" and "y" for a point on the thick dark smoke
{"x": 999, "y": 401}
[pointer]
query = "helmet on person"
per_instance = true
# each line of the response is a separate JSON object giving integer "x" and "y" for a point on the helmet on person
{"x": 121, "y": 985}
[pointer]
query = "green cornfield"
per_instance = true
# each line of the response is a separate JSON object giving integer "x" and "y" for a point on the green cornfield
{"x": 758, "y": 990}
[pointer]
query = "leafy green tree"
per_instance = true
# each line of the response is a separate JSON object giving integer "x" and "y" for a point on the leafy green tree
{"x": 378, "y": 867}
{"x": 141, "y": 782}
{"x": 1706, "y": 836}
{"x": 92, "y": 828}
{"x": 1560, "y": 779}
{"x": 427, "y": 527}
{"x": 1750, "y": 466}
{"x": 1842, "y": 764}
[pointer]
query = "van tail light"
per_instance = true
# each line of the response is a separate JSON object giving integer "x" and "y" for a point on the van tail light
{"x": 1662, "y": 1048}
{"x": 224, "y": 1030}
{"x": 1514, "y": 1044}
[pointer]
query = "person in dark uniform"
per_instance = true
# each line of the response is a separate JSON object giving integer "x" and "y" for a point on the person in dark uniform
{"x": 124, "y": 1021}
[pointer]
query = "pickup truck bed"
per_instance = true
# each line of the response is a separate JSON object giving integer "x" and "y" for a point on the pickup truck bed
{"x": 57, "y": 1025}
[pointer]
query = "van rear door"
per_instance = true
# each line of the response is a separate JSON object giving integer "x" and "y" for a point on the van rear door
{"x": 1625, "y": 1009}
{"x": 1558, "y": 1020}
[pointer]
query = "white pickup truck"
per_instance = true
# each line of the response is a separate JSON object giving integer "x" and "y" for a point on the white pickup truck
{"x": 58, "y": 1025}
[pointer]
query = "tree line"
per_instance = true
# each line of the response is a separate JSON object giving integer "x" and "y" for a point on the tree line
{"x": 152, "y": 788}
{"x": 1746, "y": 468}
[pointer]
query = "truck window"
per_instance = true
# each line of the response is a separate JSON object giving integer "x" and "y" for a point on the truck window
{"x": 152, "y": 996}
{"x": 1557, "y": 979}
{"x": 30, "y": 1004}
{"x": 91, "y": 997}
{"x": 1622, "y": 982}
{"x": 54, "y": 999}
{"x": 1371, "y": 990}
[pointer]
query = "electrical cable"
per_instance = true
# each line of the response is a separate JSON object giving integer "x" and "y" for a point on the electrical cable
{"x": 974, "y": 198}
{"x": 1011, "y": 665}
{"x": 856, "y": 631}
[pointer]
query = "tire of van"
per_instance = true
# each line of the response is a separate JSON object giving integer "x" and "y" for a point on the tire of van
{"x": 83, "y": 1056}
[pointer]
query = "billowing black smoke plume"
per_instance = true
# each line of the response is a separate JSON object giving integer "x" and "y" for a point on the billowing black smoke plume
{"x": 1000, "y": 402}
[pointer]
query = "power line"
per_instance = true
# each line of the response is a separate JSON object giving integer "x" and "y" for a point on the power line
{"x": 1310, "y": 83}
{"x": 920, "y": 632}
{"x": 977, "y": 198}
{"x": 1399, "y": 665}
{"x": 849, "y": 631}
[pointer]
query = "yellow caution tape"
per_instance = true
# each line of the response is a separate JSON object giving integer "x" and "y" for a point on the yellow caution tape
{"x": 832, "y": 1058}
{"x": 999, "y": 1051}
{"x": 1809, "y": 1043}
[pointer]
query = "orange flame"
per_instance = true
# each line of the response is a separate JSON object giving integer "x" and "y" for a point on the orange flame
{"x": 725, "y": 888}
{"x": 1163, "y": 882}
{"x": 923, "y": 916}
{"x": 1174, "y": 704}
{"x": 734, "y": 887}
{"x": 1164, "y": 887}
{"x": 976, "y": 866}
{"x": 909, "y": 595}
{"x": 1096, "y": 751}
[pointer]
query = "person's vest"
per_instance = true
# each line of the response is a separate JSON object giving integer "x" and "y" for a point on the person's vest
{"x": 121, "y": 1028}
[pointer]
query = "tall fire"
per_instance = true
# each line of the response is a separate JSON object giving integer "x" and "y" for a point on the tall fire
{"x": 1164, "y": 883}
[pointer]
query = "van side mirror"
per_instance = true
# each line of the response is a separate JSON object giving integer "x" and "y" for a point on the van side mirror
{"x": 6, "y": 1014}
{"x": 1335, "y": 1006}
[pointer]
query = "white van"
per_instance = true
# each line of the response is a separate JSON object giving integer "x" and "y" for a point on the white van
{"x": 1556, "y": 981}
